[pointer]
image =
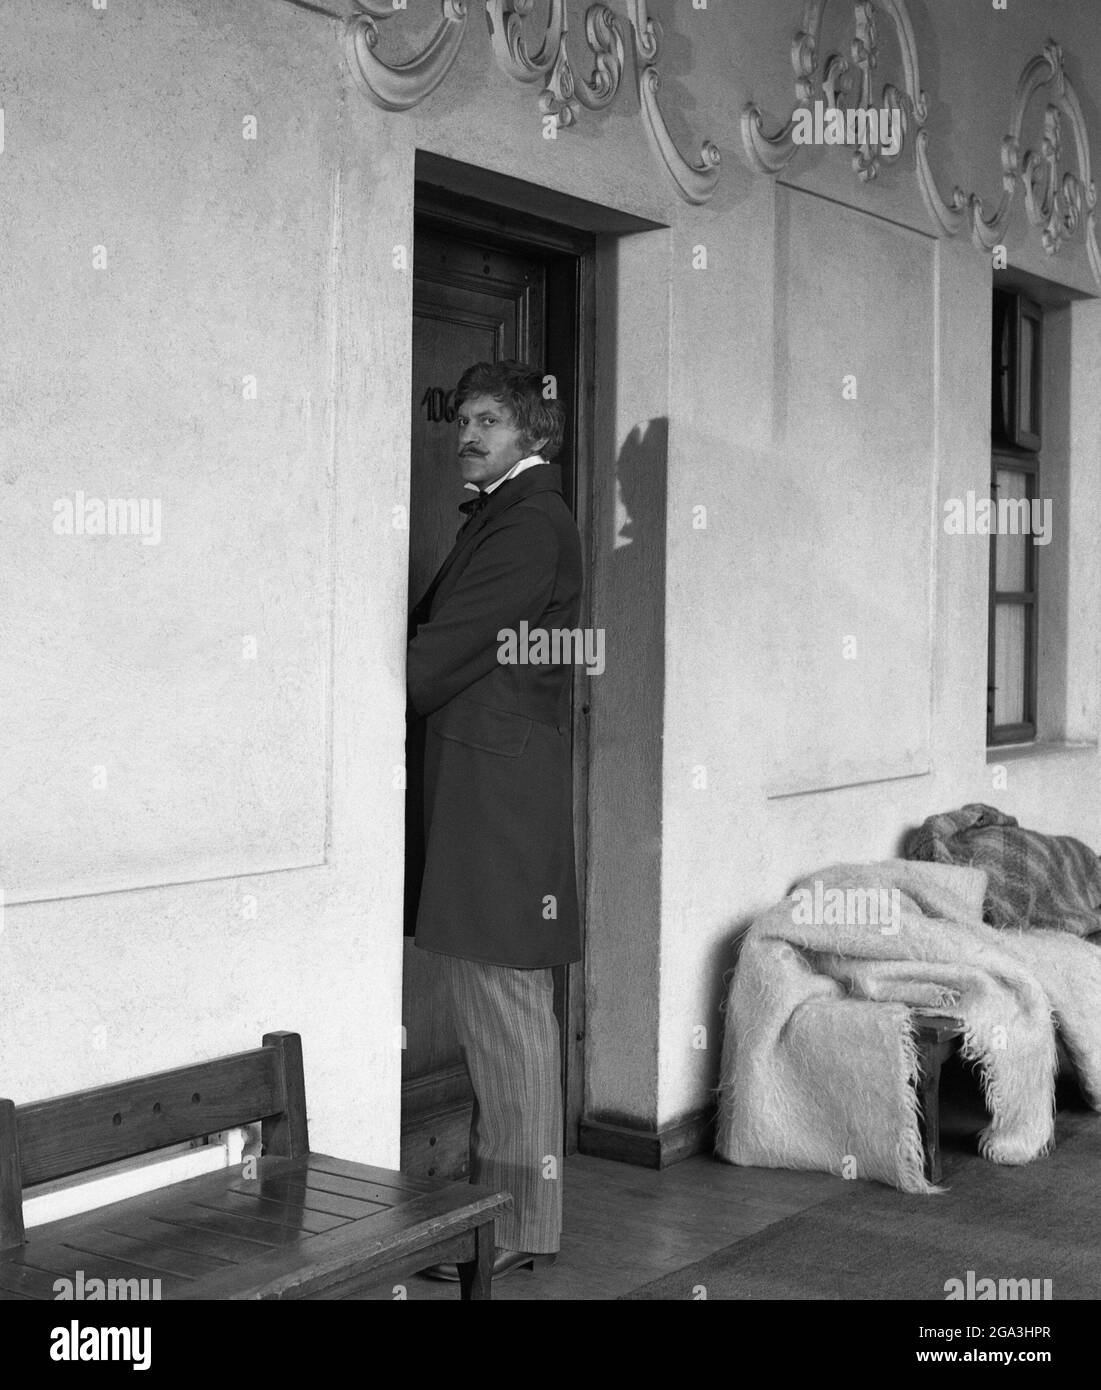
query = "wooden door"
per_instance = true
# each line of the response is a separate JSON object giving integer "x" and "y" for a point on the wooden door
{"x": 471, "y": 303}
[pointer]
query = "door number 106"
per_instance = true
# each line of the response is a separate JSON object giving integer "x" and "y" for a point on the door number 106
{"x": 439, "y": 405}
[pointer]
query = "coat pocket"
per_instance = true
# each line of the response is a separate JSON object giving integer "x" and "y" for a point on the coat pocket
{"x": 480, "y": 726}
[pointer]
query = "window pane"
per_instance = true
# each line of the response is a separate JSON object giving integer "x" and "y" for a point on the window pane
{"x": 1010, "y": 570}
{"x": 1028, "y": 367}
{"x": 1009, "y": 663}
{"x": 1000, "y": 403}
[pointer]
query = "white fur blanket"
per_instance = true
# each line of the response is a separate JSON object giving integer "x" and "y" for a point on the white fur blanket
{"x": 819, "y": 1063}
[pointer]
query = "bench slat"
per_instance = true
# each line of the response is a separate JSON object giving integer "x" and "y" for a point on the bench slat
{"x": 380, "y": 1277}
{"x": 31, "y": 1283}
{"x": 329, "y": 1260}
{"x": 364, "y": 1172}
{"x": 61, "y": 1261}
{"x": 70, "y": 1134}
{"x": 385, "y": 1195}
{"x": 161, "y": 1259}
{"x": 214, "y": 1244}
{"x": 312, "y": 1198}
{"x": 200, "y": 1189}
{"x": 291, "y": 1214}
{"x": 262, "y": 1233}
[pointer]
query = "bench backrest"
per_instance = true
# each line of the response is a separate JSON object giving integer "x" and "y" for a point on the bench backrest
{"x": 49, "y": 1139}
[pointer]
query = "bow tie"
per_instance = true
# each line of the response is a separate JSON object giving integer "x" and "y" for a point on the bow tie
{"x": 475, "y": 505}
{"x": 472, "y": 508}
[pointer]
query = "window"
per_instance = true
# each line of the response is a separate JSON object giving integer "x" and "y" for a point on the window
{"x": 1016, "y": 444}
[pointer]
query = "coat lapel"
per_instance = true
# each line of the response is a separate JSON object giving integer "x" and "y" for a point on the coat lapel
{"x": 546, "y": 477}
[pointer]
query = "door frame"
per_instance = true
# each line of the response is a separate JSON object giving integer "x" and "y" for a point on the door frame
{"x": 571, "y": 267}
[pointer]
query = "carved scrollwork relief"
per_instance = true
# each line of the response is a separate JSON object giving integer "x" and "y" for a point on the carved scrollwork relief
{"x": 506, "y": 31}
{"x": 695, "y": 181}
{"x": 1060, "y": 202}
{"x": 542, "y": 57}
{"x": 398, "y": 86}
{"x": 564, "y": 91}
{"x": 844, "y": 84}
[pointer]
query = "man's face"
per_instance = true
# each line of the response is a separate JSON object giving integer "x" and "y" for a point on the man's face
{"x": 489, "y": 440}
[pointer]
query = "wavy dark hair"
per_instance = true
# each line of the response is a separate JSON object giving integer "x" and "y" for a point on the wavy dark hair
{"x": 520, "y": 387}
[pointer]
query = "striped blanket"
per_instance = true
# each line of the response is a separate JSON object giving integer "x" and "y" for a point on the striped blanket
{"x": 1033, "y": 880}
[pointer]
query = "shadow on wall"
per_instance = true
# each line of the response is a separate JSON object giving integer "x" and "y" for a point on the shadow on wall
{"x": 637, "y": 648}
{"x": 623, "y": 908}
{"x": 641, "y": 482}
{"x": 633, "y": 705}
{"x": 630, "y": 842}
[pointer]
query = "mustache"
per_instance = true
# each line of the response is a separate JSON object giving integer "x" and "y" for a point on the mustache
{"x": 469, "y": 449}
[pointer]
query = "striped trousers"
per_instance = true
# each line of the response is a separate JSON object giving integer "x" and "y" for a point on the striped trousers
{"x": 508, "y": 1034}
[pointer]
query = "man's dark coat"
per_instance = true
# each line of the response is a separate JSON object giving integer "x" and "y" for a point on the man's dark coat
{"x": 498, "y": 879}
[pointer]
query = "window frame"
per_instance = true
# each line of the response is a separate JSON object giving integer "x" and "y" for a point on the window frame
{"x": 1016, "y": 449}
{"x": 1024, "y": 730}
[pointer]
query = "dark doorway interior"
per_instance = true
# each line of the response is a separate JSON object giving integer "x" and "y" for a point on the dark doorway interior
{"x": 488, "y": 283}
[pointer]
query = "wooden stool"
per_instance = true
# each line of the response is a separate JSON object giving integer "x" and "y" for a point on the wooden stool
{"x": 936, "y": 1038}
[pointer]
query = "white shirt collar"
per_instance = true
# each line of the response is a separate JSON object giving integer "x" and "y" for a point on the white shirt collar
{"x": 529, "y": 462}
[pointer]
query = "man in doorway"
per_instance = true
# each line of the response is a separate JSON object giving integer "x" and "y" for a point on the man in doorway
{"x": 498, "y": 898}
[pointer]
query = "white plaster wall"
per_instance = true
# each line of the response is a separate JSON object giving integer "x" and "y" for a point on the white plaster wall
{"x": 129, "y": 380}
{"x": 225, "y": 257}
{"x": 282, "y": 254}
{"x": 730, "y": 850}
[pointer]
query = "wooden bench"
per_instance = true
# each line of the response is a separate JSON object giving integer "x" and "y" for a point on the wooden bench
{"x": 291, "y": 1224}
{"x": 936, "y": 1038}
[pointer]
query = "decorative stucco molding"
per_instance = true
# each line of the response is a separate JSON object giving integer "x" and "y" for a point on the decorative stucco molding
{"x": 842, "y": 84}
{"x": 695, "y": 182}
{"x": 545, "y": 60}
{"x": 1059, "y": 201}
{"x": 564, "y": 89}
{"x": 398, "y": 86}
